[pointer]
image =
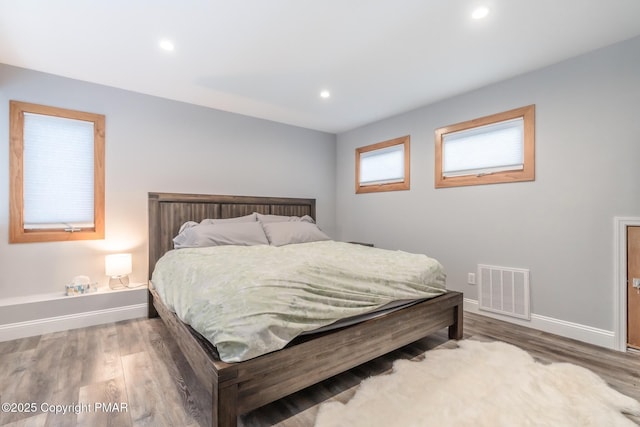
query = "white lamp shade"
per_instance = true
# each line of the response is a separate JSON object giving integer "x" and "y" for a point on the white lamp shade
{"x": 117, "y": 264}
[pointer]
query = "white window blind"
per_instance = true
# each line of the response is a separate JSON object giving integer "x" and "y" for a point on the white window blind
{"x": 483, "y": 150}
{"x": 382, "y": 166}
{"x": 58, "y": 172}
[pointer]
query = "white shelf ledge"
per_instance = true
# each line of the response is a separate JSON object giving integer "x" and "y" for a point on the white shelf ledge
{"x": 45, "y": 313}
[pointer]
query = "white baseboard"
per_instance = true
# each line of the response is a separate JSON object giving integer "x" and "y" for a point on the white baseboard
{"x": 47, "y": 313}
{"x": 576, "y": 331}
{"x": 35, "y": 327}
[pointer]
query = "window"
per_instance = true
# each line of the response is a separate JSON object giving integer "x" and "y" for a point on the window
{"x": 383, "y": 166}
{"x": 489, "y": 150}
{"x": 57, "y": 174}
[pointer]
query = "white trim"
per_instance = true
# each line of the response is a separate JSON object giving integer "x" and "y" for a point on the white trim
{"x": 620, "y": 279}
{"x": 31, "y": 328}
{"x": 584, "y": 333}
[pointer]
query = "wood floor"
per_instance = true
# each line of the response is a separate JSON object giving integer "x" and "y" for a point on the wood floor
{"x": 131, "y": 374}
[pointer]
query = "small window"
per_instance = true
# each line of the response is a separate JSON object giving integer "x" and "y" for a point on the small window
{"x": 383, "y": 166}
{"x": 493, "y": 149}
{"x": 57, "y": 174}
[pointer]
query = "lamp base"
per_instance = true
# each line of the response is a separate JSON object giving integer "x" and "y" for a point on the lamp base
{"x": 119, "y": 282}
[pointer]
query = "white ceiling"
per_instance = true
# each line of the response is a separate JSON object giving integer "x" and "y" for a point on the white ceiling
{"x": 271, "y": 58}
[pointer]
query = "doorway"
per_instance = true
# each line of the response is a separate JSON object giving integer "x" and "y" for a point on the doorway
{"x": 633, "y": 287}
{"x": 621, "y": 288}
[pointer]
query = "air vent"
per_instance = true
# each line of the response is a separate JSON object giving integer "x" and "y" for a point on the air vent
{"x": 504, "y": 290}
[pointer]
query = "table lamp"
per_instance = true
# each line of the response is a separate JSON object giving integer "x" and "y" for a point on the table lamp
{"x": 118, "y": 267}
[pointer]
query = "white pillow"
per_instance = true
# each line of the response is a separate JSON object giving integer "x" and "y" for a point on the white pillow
{"x": 230, "y": 233}
{"x": 284, "y": 233}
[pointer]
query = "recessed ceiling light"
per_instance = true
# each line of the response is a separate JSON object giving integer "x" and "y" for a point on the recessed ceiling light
{"x": 480, "y": 12}
{"x": 325, "y": 94}
{"x": 166, "y": 45}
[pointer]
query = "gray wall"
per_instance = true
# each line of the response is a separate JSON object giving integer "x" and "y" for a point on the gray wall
{"x": 153, "y": 144}
{"x": 560, "y": 226}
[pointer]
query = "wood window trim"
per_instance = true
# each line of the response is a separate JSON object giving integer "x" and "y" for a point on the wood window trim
{"x": 17, "y": 232}
{"x": 526, "y": 174}
{"x": 394, "y": 186}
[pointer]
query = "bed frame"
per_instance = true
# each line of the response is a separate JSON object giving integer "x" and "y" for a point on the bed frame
{"x": 237, "y": 388}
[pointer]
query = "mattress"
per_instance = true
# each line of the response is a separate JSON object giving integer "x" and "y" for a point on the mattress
{"x": 386, "y": 309}
{"x": 251, "y": 300}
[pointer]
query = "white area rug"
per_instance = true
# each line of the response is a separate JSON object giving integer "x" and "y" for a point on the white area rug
{"x": 482, "y": 384}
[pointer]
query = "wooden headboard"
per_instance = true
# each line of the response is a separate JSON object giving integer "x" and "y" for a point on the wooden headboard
{"x": 168, "y": 211}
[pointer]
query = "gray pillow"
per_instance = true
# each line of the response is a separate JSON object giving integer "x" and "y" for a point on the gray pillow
{"x": 228, "y": 233}
{"x": 187, "y": 225}
{"x": 284, "y": 233}
{"x": 283, "y": 218}
{"x": 247, "y": 218}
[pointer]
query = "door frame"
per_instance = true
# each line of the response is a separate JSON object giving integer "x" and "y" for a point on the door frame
{"x": 620, "y": 271}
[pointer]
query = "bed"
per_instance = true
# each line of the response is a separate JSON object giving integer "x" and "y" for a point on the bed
{"x": 236, "y": 388}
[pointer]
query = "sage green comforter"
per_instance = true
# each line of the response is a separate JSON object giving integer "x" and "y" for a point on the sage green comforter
{"x": 251, "y": 300}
